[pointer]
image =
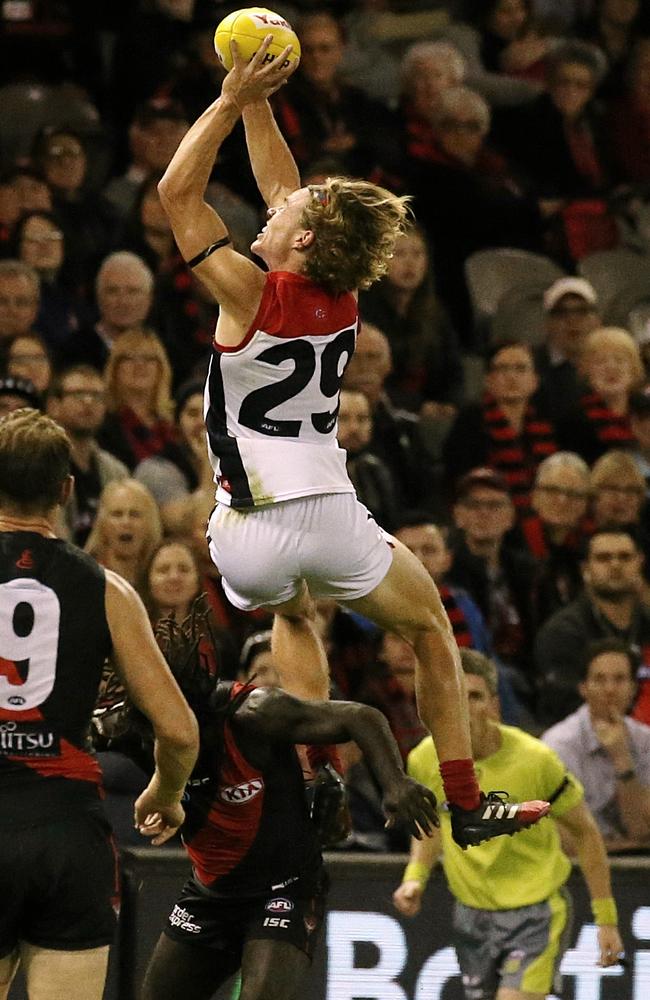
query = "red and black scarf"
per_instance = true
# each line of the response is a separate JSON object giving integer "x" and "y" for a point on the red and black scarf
{"x": 611, "y": 429}
{"x": 532, "y": 527}
{"x": 514, "y": 454}
{"x": 456, "y": 616}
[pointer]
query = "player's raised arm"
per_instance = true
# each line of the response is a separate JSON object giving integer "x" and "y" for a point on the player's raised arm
{"x": 152, "y": 688}
{"x": 273, "y": 164}
{"x": 198, "y": 230}
{"x": 278, "y": 716}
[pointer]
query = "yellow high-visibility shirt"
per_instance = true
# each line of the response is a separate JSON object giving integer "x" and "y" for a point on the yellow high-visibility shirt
{"x": 506, "y": 872}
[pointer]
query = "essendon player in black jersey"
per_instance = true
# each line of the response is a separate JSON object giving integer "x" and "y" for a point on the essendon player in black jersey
{"x": 256, "y": 898}
{"x": 287, "y": 527}
{"x": 60, "y": 615}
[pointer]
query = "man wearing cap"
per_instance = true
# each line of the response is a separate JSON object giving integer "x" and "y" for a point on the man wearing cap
{"x": 571, "y": 309}
{"x": 16, "y": 393}
{"x": 497, "y": 576}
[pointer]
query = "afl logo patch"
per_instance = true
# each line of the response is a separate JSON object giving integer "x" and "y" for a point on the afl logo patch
{"x": 238, "y": 794}
{"x": 279, "y": 905}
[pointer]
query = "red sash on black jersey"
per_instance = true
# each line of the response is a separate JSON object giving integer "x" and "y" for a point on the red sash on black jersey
{"x": 247, "y": 827}
{"x": 54, "y": 639}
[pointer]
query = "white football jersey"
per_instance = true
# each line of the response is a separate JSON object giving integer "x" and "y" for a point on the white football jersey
{"x": 271, "y": 402}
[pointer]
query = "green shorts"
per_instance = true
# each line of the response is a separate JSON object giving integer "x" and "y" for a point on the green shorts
{"x": 520, "y": 949}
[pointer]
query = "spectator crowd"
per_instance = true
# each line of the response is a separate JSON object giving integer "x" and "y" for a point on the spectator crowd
{"x": 499, "y": 425}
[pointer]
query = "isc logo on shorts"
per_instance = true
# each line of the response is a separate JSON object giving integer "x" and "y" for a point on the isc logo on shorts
{"x": 279, "y": 905}
{"x": 276, "y": 922}
{"x": 238, "y": 794}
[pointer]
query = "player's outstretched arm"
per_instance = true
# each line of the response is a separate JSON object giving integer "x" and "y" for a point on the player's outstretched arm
{"x": 273, "y": 164}
{"x": 592, "y": 857}
{"x": 150, "y": 685}
{"x": 235, "y": 281}
{"x": 276, "y": 715}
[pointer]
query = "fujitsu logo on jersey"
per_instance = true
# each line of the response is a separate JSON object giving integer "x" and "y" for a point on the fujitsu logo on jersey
{"x": 28, "y": 740}
{"x": 239, "y": 794}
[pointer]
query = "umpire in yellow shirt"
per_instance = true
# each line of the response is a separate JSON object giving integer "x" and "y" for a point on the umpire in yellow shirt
{"x": 512, "y": 909}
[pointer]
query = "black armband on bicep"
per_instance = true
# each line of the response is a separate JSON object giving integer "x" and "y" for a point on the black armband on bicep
{"x": 200, "y": 257}
{"x": 558, "y": 791}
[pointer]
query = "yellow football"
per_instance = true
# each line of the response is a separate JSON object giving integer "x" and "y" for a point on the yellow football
{"x": 249, "y": 27}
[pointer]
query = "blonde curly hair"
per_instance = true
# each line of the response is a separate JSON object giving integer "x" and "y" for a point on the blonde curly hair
{"x": 355, "y": 225}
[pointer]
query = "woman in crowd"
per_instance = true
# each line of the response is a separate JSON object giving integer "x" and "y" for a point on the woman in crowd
{"x": 140, "y": 407}
{"x": 612, "y": 369}
{"x": 618, "y": 490}
{"x": 172, "y": 581}
{"x": 126, "y": 530}
{"x": 427, "y": 373}
{"x": 509, "y": 43}
{"x": 619, "y": 497}
{"x": 39, "y": 241}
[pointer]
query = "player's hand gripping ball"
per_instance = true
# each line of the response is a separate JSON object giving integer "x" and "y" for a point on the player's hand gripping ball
{"x": 249, "y": 27}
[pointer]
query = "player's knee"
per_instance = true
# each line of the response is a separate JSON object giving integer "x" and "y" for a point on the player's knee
{"x": 300, "y": 609}
{"x": 302, "y": 613}
{"x": 418, "y": 627}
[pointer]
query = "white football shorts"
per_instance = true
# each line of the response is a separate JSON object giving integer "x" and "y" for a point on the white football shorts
{"x": 330, "y": 541}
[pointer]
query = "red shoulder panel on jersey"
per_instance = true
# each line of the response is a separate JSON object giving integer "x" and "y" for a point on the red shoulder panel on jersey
{"x": 293, "y": 306}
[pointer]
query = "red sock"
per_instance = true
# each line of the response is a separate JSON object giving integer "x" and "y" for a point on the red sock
{"x": 460, "y": 784}
{"x": 325, "y": 753}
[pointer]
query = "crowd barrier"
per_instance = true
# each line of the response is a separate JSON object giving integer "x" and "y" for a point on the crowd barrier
{"x": 368, "y": 952}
